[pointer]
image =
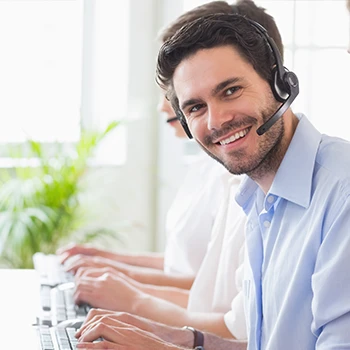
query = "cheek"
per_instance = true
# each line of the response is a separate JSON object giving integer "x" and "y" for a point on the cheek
{"x": 198, "y": 128}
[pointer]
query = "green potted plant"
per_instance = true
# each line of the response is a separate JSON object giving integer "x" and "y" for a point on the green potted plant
{"x": 39, "y": 205}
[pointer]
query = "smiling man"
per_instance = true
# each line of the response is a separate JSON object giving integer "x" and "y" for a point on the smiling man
{"x": 225, "y": 79}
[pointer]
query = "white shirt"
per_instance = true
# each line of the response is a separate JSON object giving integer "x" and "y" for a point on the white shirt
{"x": 218, "y": 285}
{"x": 191, "y": 216}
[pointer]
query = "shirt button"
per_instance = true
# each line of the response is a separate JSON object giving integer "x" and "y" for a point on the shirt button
{"x": 267, "y": 224}
{"x": 270, "y": 199}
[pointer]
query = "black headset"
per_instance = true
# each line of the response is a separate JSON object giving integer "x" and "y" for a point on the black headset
{"x": 284, "y": 85}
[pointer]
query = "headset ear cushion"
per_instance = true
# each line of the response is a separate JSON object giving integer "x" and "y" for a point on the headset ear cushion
{"x": 278, "y": 87}
{"x": 290, "y": 80}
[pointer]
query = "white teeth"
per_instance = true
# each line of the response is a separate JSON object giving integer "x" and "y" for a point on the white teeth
{"x": 234, "y": 137}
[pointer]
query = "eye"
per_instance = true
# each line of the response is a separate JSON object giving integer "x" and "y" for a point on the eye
{"x": 195, "y": 108}
{"x": 232, "y": 90}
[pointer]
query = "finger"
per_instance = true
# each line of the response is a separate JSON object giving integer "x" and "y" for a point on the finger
{"x": 78, "y": 261}
{"x": 66, "y": 256}
{"x": 93, "y": 272}
{"x": 65, "y": 248}
{"x": 110, "y": 319}
{"x": 88, "y": 271}
{"x": 105, "y": 345}
{"x": 68, "y": 253}
{"x": 92, "y": 317}
{"x": 72, "y": 259}
{"x": 84, "y": 291}
{"x": 102, "y": 330}
{"x": 93, "y": 325}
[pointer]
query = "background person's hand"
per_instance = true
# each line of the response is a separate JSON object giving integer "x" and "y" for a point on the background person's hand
{"x": 70, "y": 250}
{"x": 83, "y": 261}
{"x": 94, "y": 271}
{"x": 108, "y": 291}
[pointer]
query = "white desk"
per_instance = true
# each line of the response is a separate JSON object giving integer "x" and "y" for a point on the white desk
{"x": 19, "y": 303}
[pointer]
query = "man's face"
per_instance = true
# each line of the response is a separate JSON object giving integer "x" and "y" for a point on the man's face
{"x": 224, "y": 101}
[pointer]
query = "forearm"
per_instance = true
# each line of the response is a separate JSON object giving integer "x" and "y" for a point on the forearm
{"x": 209, "y": 322}
{"x": 172, "y": 294}
{"x": 159, "y": 278}
{"x": 160, "y": 310}
{"x": 185, "y": 338}
{"x": 168, "y": 313}
{"x": 213, "y": 342}
{"x": 150, "y": 260}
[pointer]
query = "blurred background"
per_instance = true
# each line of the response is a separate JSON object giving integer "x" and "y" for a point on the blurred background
{"x": 70, "y": 68}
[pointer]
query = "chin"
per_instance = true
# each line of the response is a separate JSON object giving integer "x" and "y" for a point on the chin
{"x": 180, "y": 134}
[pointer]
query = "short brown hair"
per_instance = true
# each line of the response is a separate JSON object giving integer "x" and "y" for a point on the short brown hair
{"x": 348, "y": 5}
{"x": 245, "y": 8}
{"x": 212, "y": 31}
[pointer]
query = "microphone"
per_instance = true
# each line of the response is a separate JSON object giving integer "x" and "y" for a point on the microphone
{"x": 172, "y": 119}
{"x": 292, "y": 82}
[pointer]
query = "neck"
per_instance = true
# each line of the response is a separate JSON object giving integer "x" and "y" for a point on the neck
{"x": 265, "y": 176}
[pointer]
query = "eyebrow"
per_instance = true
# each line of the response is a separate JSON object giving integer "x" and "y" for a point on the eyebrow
{"x": 214, "y": 91}
{"x": 224, "y": 84}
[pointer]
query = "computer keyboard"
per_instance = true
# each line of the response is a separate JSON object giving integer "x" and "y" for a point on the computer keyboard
{"x": 56, "y": 292}
{"x": 51, "y": 271}
{"x": 56, "y": 338}
{"x": 61, "y": 307}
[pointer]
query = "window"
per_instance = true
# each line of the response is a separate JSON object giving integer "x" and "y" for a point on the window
{"x": 63, "y": 65}
{"x": 315, "y": 36}
{"x": 40, "y": 69}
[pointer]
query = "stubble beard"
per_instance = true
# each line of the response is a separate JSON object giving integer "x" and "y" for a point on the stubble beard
{"x": 269, "y": 154}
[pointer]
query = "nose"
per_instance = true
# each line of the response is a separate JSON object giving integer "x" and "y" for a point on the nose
{"x": 218, "y": 115}
{"x": 165, "y": 106}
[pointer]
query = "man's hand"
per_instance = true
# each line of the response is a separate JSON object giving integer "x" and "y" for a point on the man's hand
{"x": 122, "y": 337}
{"x": 168, "y": 334}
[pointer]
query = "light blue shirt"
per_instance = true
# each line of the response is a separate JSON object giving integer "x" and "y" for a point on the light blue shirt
{"x": 297, "y": 280}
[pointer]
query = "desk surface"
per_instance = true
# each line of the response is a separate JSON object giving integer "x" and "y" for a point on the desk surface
{"x": 19, "y": 302}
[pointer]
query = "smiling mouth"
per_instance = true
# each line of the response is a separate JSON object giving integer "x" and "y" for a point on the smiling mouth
{"x": 238, "y": 135}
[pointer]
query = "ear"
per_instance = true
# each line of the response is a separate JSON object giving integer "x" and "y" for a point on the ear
{"x": 278, "y": 86}
{"x": 184, "y": 123}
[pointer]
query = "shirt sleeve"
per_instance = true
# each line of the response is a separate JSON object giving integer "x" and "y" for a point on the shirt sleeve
{"x": 331, "y": 282}
{"x": 235, "y": 318}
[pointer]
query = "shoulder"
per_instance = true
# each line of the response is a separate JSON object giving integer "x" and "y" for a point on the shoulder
{"x": 333, "y": 160}
{"x": 331, "y": 177}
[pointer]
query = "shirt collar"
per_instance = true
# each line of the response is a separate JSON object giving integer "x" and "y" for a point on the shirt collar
{"x": 293, "y": 180}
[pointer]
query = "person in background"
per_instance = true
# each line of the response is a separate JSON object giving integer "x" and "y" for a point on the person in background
{"x": 329, "y": 309}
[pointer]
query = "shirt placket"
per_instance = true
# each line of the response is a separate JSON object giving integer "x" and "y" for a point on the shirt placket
{"x": 265, "y": 220}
